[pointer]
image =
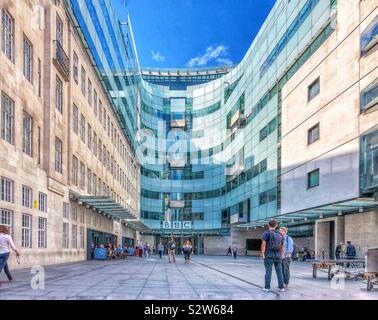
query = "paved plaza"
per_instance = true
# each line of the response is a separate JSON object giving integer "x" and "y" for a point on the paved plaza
{"x": 206, "y": 277}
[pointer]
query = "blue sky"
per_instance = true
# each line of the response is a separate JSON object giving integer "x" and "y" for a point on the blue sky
{"x": 193, "y": 33}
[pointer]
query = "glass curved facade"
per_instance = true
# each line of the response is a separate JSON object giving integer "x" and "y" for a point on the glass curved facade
{"x": 208, "y": 140}
{"x": 210, "y": 152}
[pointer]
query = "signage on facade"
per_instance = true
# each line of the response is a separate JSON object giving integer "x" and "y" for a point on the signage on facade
{"x": 177, "y": 225}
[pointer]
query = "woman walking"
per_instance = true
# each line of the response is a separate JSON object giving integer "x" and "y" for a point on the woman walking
{"x": 6, "y": 244}
{"x": 187, "y": 249}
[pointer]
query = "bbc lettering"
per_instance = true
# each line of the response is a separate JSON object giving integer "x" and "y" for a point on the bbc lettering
{"x": 177, "y": 224}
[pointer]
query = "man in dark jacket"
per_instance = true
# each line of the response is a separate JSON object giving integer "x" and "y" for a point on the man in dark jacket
{"x": 272, "y": 250}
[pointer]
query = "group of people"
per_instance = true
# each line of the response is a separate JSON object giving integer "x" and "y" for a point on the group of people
{"x": 143, "y": 250}
{"x": 276, "y": 249}
{"x": 348, "y": 251}
{"x": 113, "y": 251}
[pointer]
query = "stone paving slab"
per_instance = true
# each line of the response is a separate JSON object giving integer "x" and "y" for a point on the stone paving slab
{"x": 155, "y": 279}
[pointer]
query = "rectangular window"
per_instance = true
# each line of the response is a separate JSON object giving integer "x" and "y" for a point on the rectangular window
{"x": 7, "y": 35}
{"x": 7, "y": 118}
{"x": 82, "y": 128}
{"x": 39, "y": 78}
{"x": 100, "y": 111}
{"x": 82, "y": 238}
{"x": 94, "y": 149}
{"x": 39, "y": 145}
{"x": 104, "y": 119}
{"x": 75, "y": 65}
{"x": 75, "y": 168}
{"x": 66, "y": 210}
{"x": 369, "y": 38}
{"x": 75, "y": 119}
{"x": 82, "y": 176}
{"x": 42, "y": 232}
{"x": 27, "y": 141}
{"x": 95, "y": 102}
{"x": 100, "y": 150}
{"x": 89, "y": 179}
{"x": 83, "y": 77}
{"x": 89, "y": 141}
{"x": 90, "y": 92}
{"x": 28, "y": 60}
{"x": 313, "y": 89}
{"x": 7, "y": 190}
{"x": 369, "y": 97}
{"x": 74, "y": 236}
{"x": 26, "y": 231}
{"x": 66, "y": 238}
{"x": 313, "y": 179}
{"x": 27, "y": 197}
{"x": 74, "y": 213}
{"x": 59, "y": 30}
{"x": 94, "y": 181}
{"x": 58, "y": 155}
{"x": 313, "y": 134}
{"x": 42, "y": 205}
{"x": 6, "y": 219}
{"x": 268, "y": 196}
{"x": 59, "y": 95}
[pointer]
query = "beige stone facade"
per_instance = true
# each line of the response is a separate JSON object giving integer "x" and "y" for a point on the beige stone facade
{"x": 105, "y": 164}
{"x": 343, "y": 72}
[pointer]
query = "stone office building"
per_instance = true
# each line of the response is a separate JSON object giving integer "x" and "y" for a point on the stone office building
{"x": 69, "y": 175}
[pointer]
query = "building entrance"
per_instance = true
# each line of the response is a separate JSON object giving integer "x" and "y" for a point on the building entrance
{"x": 196, "y": 241}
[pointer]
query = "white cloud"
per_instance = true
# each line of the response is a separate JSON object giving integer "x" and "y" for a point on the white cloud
{"x": 224, "y": 61}
{"x": 157, "y": 56}
{"x": 218, "y": 54}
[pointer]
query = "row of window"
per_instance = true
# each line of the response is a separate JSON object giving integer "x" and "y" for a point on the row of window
{"x": 103, "y": 117}
{"x": 8, "y": 48}
{"x": 6, "y": 218}
{"x": 94, "y": 184}
{"x": 8, "y": 126}
{"x": 7, "y": 194}
{"x": 75, "y": 242}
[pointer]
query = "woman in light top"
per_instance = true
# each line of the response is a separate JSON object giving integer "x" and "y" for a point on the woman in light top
{"x": 187, "y": 250}
{"x": 6, "y": 245}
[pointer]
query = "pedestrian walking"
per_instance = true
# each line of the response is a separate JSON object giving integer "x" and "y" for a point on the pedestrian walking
{"x": 146, "y": 250}
{"x": 6, "y": 245}
{"x": 272, "y": 249}
{"x": 172, "y": 250}
{"x": 160, "y": 248}
{"x": 229, "y": 251}
{"x": 187, "y": 250}
{"x": 286, "y": 257}
{"x": 235, "y": 251}
{"x": 92, "y": 250}
{"x": 140, "y": 250}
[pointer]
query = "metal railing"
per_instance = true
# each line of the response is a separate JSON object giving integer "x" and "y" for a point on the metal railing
{"x": 61, "y": 59}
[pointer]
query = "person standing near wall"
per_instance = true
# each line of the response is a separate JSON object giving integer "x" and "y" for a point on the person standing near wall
{"x": 272, "y": 249}
{"x": 286, "y": 257}
{"x": 6, "y": 245}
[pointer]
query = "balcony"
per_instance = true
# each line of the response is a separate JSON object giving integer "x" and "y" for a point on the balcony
{"x": 177, "y": 204}
{"x": 61, "y": 61}
{"x": 173, "y": 163}
{"x": 179, "y": 123}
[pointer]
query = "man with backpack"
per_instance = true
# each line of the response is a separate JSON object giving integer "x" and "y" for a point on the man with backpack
{"x": 172, "y": 250}
{"x": 272, "y": 249}
{"x": 286, "y": 257}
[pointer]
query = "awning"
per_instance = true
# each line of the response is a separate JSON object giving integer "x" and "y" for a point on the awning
{"x": 310, "y": 215}
{"x": 137, "y": 225}
{"x": 103, "y": 204}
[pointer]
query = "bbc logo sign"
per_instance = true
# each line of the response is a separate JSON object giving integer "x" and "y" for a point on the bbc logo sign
{"x": 177, "y": 224}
